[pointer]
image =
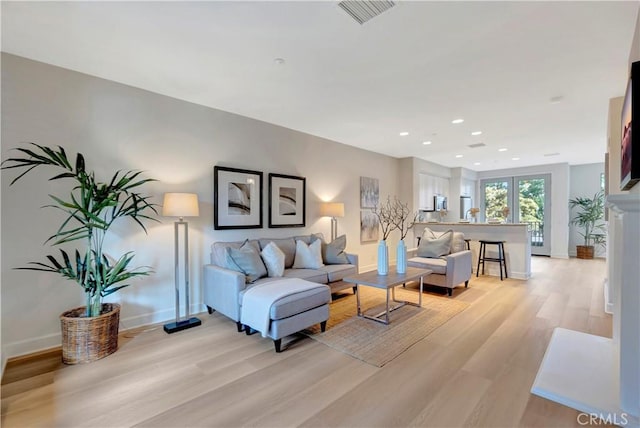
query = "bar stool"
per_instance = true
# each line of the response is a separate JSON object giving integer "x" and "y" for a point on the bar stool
{"x": 482, "y": 257}
{"x": 467, "y": 242}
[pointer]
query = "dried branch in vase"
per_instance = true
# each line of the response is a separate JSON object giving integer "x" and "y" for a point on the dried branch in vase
{"x": 401, "y": 215}
{"x": 385, "y": 214}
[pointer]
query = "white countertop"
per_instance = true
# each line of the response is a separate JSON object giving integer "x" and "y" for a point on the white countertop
{"x": 470, "y": 224}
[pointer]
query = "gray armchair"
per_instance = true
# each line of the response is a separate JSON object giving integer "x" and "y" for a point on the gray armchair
{"x": 451, "y": 267}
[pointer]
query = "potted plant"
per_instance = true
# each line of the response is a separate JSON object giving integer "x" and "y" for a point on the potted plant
{"x": 90, "y": 332}
{"x": 588, "y": 216}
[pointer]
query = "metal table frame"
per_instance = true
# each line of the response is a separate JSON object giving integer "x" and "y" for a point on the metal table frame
{"x": 388, "y": 282}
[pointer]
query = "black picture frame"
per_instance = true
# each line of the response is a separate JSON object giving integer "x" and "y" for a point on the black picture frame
{"x": 630, "y": 141}
{"x": 237, "y": 198}
{"x": 287, "y": 201}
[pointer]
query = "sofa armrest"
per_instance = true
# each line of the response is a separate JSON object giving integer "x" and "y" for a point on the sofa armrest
{"x": 458, "y": 267}
{"x": 221, "y": 290}
{"x": 412, "y": 252}
{"x": 354, "y": 260}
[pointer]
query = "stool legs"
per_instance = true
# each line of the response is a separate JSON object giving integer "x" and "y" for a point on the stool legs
{"x": 501, "y": 259}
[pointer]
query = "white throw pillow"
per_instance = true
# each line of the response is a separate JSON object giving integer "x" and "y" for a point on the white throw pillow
{"x": 308, "y": 256}
{"x": 273, "y": 259}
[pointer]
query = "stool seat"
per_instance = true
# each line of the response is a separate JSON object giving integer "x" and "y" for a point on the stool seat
{"x": 482, "y": 256}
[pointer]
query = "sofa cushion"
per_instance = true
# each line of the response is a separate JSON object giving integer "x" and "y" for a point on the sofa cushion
{"x": 286, "y": 245}
{"x": 317, "y": 295}
{"x": 313, "y": 275}
{"x": 219, "y": 251}
{"x": 273, "y": 259}
{"x": 333, "y": 252}
{"x": 246, "y": 260}
{"x": 338, "y": 272}
{"x": 308, "y": 256}
{"x": 438, "y": 265}
{"x": 435, "y": 247}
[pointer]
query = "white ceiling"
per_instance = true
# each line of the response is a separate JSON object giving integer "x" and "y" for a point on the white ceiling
{"x": 414, "y": 68}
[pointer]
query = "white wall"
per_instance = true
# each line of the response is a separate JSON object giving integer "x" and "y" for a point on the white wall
{"x": 120, "y": 127}
{"x": 585, "y": 182}
{"x": 559, "y": 200}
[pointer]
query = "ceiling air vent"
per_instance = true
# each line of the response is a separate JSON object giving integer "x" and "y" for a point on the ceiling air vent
{"x": 362, "y": 11}
{"x": 473, "y": 146}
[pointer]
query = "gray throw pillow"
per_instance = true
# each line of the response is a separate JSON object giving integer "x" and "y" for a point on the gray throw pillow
{"x": 246, "y": 260}
{"x": 333, "y": 252}
{"x": 435, "y": 247}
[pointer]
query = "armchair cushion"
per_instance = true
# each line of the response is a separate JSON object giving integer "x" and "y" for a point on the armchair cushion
{"x": 435, "y": 246}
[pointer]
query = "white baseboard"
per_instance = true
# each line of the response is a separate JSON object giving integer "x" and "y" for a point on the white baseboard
{"x": 37, "y": 344}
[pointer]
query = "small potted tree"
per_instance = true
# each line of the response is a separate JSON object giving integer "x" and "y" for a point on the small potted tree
{"x": 588, "y": 217}
{"x": 90, "y": 332}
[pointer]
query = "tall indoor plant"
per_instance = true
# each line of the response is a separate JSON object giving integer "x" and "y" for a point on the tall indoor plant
{"x": 588, "y": 217}
{"x": 91, "y": 209}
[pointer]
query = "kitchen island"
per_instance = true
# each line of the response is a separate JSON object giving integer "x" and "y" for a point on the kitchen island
{"x": 516, "y": 236}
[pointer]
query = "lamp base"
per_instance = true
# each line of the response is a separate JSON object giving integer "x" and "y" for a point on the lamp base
{"x": 172, "y": 327}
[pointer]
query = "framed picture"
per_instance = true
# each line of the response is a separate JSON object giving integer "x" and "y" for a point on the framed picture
{"x": 630, "y": 144}
{"x": 369, "y": 192}
{"x": 237, "y": 198}
{"x": 287, "y": 200}
{"x": 369, "y": 226}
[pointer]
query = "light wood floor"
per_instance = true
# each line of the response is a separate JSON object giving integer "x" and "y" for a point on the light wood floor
{"x": 476, "y": 370}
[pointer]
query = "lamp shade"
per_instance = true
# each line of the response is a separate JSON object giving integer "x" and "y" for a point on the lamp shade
{"x": 332, "y": 209}
{"x": 180, "y": 205}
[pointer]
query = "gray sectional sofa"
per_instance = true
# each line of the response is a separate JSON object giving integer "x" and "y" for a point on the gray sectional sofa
{"x": 224, "y": 287}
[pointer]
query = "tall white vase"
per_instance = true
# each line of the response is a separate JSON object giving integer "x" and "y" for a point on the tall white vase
{"x": 401, "y": 257}
{"x": 383, "y": 258}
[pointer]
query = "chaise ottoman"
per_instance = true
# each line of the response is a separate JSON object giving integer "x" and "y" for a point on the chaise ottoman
{"x": 284, "y": 306}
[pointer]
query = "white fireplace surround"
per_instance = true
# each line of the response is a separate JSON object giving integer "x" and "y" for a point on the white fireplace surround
{"x": 591, "y": 373}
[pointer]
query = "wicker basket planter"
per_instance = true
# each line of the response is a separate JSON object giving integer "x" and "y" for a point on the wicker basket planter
{"x": 89, "y": 339}
{"x": 584, "y": 251}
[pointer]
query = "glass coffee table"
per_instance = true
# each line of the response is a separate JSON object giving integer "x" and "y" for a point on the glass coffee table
{"x": 388, "y": 282}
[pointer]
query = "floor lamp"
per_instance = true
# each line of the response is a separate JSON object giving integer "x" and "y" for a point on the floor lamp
{"x": 333, "y": 210}
{"x": 181, "y": 205}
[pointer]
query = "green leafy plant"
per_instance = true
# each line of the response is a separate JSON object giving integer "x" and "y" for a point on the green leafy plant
{"x": 589, "y": 215}
{"x": 92, "y": 208}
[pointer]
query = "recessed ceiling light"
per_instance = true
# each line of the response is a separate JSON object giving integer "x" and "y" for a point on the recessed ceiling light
{"x": 458, "y": 156}
{"x": 551, "y": 154}
{"x": 476, "y": 133}
{"x": 556, "y": 99}
{"x": 279, "y": 61}
{"x": 404, "y": 133}
{"x": 502, "y": 150}
{"x": 476, "y": 163}
{"x": 456, "y": 121}
{"x": 515, "y": 158}
{"x": 426, "y": 143}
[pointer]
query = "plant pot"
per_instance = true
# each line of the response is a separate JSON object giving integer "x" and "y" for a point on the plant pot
{"x": 88, "y": 339}
{"x": 584, "y": 251}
